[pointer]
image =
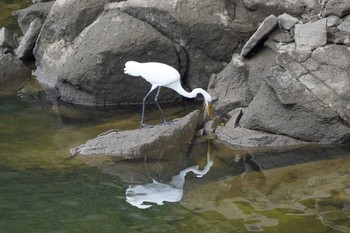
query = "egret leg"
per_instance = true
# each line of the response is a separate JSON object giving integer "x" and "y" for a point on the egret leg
{"x": 143, "y": 107}
{"x": 157, "y": 103}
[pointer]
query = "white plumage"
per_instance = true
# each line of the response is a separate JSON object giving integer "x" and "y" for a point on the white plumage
{"x": 162, "y": 75}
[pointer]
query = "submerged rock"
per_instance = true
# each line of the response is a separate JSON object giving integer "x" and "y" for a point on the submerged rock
{"x": 142, "y": 141}
{"x": 13, "y": 73}
{"x": 246, "y": 137}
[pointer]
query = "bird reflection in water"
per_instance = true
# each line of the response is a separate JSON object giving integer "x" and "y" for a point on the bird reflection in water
{"x": 156, "y": 192}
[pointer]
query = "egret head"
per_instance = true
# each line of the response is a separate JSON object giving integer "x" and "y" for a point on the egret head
{"x": 132, "y": 68}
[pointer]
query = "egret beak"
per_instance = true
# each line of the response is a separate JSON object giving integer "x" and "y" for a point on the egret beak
{"x": 208, "y": 110}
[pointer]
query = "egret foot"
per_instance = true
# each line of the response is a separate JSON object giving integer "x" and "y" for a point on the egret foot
{"x": 170, "y": 122}
{"x": 146, "y": 126}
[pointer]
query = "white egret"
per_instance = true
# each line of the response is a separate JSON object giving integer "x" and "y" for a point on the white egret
{"x": 162, "y": 75}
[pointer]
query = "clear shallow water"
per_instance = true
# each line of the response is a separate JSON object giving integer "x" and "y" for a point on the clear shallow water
{"x": 43, "y": 189}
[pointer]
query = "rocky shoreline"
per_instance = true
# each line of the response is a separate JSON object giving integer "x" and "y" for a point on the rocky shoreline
{"x": 279, "y": 72}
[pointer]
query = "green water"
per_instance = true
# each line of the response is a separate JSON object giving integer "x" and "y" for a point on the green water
{"x": 44, "y": 189}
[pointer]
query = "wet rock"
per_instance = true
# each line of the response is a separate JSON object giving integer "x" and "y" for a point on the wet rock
{"x": 25, "y": 48}
{"x": 268, "y": 25}
{"x": 229, "y": 88}
{"x": 339, "y": 8}
{"x": 143, "y": 141}
{"x": 13, "y": 73}
{"x": 251, "y": 138}
{"x": 286, "y": 21}
{"x": 8, "y": 39}
{"x": 26, "y": 16}
{"x": 309, "y": 36}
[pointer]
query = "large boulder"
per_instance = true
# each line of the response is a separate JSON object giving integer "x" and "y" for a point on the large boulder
{"x": 64, "y": 23}
{"x": 144, "y": 141}
{"x": 93, "y": 73}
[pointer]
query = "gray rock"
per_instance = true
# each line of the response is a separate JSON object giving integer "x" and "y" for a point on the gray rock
{"x": 97, "y": 78}
{"x": 281, "y": 36}
{"x": 25, "y": 48}
{"x": 287, "y": 107}
{"x": 230, "y": 88}
{"x": 309, "y": 36}
{"x": 336, "y": 7}
{"x": 286, "y": 21}
{"x": 13, "y": 73}
{"x": 252, "y": 138}
{"x": 235, "y": 116}
{"x": 63, "y": 25}
{"x": 259, "y": 68}
{"x": 141, "y": 142}
{"x": 37, "y": 11}
{"x": 345, "y": 25}
{"x": 7, "y": 39}
{"x": 286, "y": 61}
{"x": 268, "y": 25}
{"x": 333, "y": 21}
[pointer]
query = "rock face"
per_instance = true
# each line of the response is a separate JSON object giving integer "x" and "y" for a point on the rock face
{"x": 143, "y": 141}
{"x": 303, "y": 97}
{"x": 204, "y": 35}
